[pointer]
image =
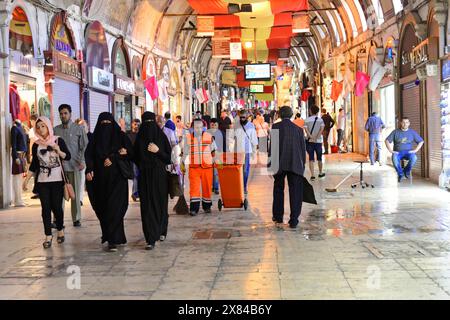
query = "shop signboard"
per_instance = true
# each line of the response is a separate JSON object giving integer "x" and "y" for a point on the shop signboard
{"x": 424, "y": 53}
{"x": 125, "y": 85}
{"x": 221, "y": 49}
{"x": 235, "y": 50}
{"x": 63, "y": 65}
{"x": 205, "y": 26}
{"x": 101, "y": 80}
{"x": 446, "y": 70}
{"x": 23, "y": 65}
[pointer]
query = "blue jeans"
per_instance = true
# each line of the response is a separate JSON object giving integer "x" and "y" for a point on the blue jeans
{"x": 397, "y": 161}
{"x": 375, "y": 142}
{"x": 246, "y": 170}
{"x": 216, "y": 180}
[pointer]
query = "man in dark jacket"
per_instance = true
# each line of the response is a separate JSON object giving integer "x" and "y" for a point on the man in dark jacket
{"x": 329, "y": 124}
{"x": 287, "y": 157}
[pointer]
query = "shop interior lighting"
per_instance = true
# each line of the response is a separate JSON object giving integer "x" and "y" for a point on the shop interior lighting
{"x": 248, "y": 45}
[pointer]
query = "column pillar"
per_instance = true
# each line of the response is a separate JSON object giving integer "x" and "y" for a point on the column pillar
{"x": 5, "y": 122}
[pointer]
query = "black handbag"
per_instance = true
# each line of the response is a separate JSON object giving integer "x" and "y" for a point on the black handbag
{"x": 126, "y": 168}
{"x": 308, "y": 192}
{"x": 175, "y": 189}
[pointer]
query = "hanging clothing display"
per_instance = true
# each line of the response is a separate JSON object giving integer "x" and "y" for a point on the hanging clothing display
{"x": 336, "y": 90}
{"x": 152, "y": 87}
{"x": 305, "y": 95}
{"x": 348, "y": 83}
{"x": 377, "y": 72}
{"x": 14, "y": 102}
{"x": 362, "y": 80}
{"x": 44, "y": 107}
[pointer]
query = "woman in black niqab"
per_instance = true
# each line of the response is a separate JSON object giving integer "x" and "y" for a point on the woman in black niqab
{"x": 152, "y": 155}
{"x": 110, "y": 188}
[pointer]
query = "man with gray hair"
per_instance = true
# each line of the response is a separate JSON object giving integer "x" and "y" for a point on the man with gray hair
{"x": 76, "y": 139}
{"x": 288, "y": 152}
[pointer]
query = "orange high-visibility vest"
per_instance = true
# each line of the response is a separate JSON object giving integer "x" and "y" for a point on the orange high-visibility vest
{"x": 201, "y": 153}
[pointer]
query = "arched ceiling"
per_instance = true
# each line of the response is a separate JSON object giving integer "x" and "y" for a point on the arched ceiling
{"x": 163, "y": 25}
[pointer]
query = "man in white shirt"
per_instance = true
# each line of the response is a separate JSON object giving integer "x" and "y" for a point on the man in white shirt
{"x": 342, "y": 119}
{"x": 314, "y": 127}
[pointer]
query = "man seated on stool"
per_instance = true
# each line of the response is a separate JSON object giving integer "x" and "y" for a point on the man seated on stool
{"x": 403, "y": 139}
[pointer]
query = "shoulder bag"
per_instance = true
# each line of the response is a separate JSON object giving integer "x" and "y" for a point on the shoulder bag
{"x": 69, "y": 192}
{"x": 125, "y": 168}
{"x": 312, "y": 130}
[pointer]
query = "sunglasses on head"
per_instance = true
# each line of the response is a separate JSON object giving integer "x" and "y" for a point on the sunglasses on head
{"x": 44, "y": 151}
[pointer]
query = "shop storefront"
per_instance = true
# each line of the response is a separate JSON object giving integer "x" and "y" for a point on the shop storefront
{"x": 444, "y": 125}
{"x": 124, "y": 86}
{"x": 24, "y": 69}
{"x": 410, "y": 90}
{"x": 63, "y": 72}
{"x": 100, "y": 80}
{"x": 430, "y": 49}
{"x": 139, "y": 98}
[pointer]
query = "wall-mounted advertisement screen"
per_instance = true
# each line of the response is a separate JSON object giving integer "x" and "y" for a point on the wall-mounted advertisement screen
{"x": 256, "y": 88}
{"x": 257, "y": 72}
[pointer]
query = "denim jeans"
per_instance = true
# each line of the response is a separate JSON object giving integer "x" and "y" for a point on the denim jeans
{"x": 397, "y": 161}
{"x": 246, "y": 170}
{"x": 375, "y": 143}
{"x": 216, "y": 180}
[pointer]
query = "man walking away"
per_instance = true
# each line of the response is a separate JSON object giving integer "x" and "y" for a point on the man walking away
{"x": 341, "y": 123}
{"x": 329, "y": 124}
{"x": 76, "y": 140}
{"x": 375, "y": 126}
{"x": 403, "y": 140}
{"x": 291, "y": 158}
{"x": 132, "y": 136}
{"x": 314, "y": 127}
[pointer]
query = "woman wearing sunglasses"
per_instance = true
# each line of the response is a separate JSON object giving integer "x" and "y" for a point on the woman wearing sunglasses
{"x": 48, "y": 153}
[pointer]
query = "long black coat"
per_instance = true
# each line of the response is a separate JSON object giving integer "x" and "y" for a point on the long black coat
{"x": 288, "y": 143}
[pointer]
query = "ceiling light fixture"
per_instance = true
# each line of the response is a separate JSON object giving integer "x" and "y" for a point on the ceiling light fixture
{"x": 248, "y": 45}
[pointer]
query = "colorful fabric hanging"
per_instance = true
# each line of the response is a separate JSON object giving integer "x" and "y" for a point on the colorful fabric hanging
{"x": 348, "y": 83}
{"x": 377, "y": 72}
{"x": 305, "y": 95}
{"x": 362, "y": 80}
{"x": 152, "y": 87}
{"x": 336, "y": 90}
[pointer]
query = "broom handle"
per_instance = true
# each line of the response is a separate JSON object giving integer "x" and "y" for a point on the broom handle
{"x": 346, "y": 178}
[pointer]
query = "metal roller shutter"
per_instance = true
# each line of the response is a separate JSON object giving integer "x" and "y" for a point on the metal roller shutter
{"x": 98, "y": 103}
{"x": 411, "y": 110}
{"x": 66, "y": 92}
{"x": 434, "y": 127}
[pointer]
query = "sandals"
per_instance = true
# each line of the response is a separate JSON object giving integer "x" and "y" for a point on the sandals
{"x": 48, "y": 244}
{"x": 61, "y": 239}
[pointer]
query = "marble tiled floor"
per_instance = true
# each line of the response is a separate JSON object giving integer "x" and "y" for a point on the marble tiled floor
{"x": 391, "y": 242}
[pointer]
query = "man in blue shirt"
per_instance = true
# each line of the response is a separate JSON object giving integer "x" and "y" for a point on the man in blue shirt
{"x": 375, "y": 126}
{"x": 403, "y": 140}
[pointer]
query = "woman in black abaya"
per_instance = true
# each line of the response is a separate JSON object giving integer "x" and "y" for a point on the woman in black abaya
{"x": 152, "y": 154}
{"x": 110, "y": 188}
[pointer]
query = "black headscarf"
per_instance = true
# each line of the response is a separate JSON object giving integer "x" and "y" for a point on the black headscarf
{"x": 106, "y": 136}
{"x": 150, "y": 132}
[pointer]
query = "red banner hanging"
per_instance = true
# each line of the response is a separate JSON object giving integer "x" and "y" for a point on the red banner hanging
{"x": 205, "y": 26}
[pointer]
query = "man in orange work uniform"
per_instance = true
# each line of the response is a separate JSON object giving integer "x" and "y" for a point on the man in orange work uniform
{"x": 201, "y": 148}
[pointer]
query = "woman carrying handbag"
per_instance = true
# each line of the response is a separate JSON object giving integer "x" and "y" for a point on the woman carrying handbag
{"x": 48, "y": 152}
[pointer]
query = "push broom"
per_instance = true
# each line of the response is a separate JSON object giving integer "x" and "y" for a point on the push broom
{"x": 334, "y": 190}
